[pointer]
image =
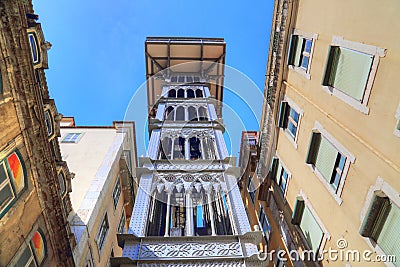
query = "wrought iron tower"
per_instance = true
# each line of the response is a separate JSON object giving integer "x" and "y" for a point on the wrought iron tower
{"x": 188, "y": 210}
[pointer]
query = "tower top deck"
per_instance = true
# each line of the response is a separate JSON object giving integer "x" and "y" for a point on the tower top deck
{"x": 170, "y": 59}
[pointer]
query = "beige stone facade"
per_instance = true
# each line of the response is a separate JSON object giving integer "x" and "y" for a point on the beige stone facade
{"x": 329, "y": 135}
{"x": 34, "y": 205}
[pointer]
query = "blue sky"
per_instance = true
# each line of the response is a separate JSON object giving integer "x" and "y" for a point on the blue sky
{"x": 96, "y": 63}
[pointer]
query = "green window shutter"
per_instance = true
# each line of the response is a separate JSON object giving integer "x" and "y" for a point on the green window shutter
{"x": 331, "y": 65}
{"x": 313, "y": 148}
{"x": 292, "y": 51}
{"x": 274, "y": 168}
{"x": 311, "y": 230}
{"x": 283, "y": 115}
{"x": 352, "y": 72}
{"x": 298, "y": 211}
{"x": 374, "y": 219}
{"x": 299, "y": 49}
{"x": 389, "y": 237}
{"x": 326, "y": 159}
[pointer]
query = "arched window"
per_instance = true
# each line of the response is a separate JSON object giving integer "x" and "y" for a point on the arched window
{"x": 38, "y": 243}
{"x": 195, "y": 151}
{"x": 190, "y": 93}
{"x": 179, "y": 148}
{"x": 199, "y": 93}
{"x": 12, "y": 180}
{"x": 209, "y": 151}
{"x": 203, "y": 116}
{"x": 181, "y": 93}
{"x": 34, "y": 47}
{"x": 178, "y": 213}
{"x": 61, "y": 180}
{"x": 49, "y": 123}
{"x": 169, "y": 113}
{"x": 192, "y": 114}
{"x": 180, "y": 114}
{"x": 165, "y": 148}
{"x": 172, "y": 93}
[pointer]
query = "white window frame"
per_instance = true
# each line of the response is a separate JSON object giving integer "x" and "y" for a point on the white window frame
{"x": 289, "y": 173}
{"x": 394, "y": 196}
{"x": 116, "y": 193}
{"x": 310, "y": 36}
{"x": 377, "y": 53}
{"x": 396, "y": 131}
{"x": 326, "y": 235}
{"x": 72, "y": 139}
{"x": 286, "y": 132}
{"x": 350, "y": 158}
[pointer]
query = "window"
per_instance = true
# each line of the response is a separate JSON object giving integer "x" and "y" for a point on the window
{"x": 34, "y": 47}
{"x": 12, "y": 180}
{"x": 251, "y": 188}
{"x": 330, "y": 161}
{"x": 382, "y": 224}
{"x": 34, "y": 253}
{"x": 72, "y": 138}
{"x": 289, "y": 119}
{"x": 195, "y": 150}
{"x": 61, "y": 180}
{"x": 265, "y": 226}
{"x": 397, "y": 129}
{"x": 49, "y": 123}
{"x": 121, "y": 225}
{"x": 102, "y": 234}
{"x": 300, "y": 52}
{"x": 350, "y": 71}
{"x": 116, "y": 192}
{"x": 309, "y": 226}
{"x": 280, "y": 175}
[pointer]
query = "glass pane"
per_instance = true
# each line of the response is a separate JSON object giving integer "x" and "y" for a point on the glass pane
{"x": 352, "y": 72}
{"x": 294, "y": 115}
{"x": 292, "y": 129}
{"x": 304, "y": 61}
{"x": 311, "y": 230}
{"x": 6, "y": 196}
{"x": 307, "y": 45}
{"x": 389, "y": 238}
{"x": 25, "y": 257}
{"x": 34, "y": 50}
{"x": 17, "y": 171}
{"x": 39, "y": 246}
{"x": 3, "y": 174}
{"x": 61, "y": 180}
{"x": 341, "y": 162}
{"x": 326, "y": 159}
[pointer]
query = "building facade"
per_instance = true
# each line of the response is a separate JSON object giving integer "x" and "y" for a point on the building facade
{"x": 329, "y": 139}
{"x": 34, "y": 180}
{"x": 104, "y": 184}
{"x": 188, "y": 210}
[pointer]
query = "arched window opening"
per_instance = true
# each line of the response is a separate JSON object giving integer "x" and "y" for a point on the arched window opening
{"x": 169, "y": 113}
{"x": 181, "y": 93}
{"x": 180, "y": 113}
{"x": 165, "y": 148}
{"x": 190, "y": 93}
{"x": 179, "y": 148}
{"x": 178, "y": 213}
{"x": 189, "y": 79}
{"x": 61, "y": 180}
{"x": 172, "y": 93}
{"x": 192, "y": 114}
{"x": 220, "y": 207}
{"x": 199, "y": 93}
{"x": 203, "y": 116}
{"x": 157, "y": 214}
{"x": 195, "y": 151}
{"x": 196, "y": 79}
{"x": 181, "y": 79}
{"x": 209, "y": 151}
{"x": 174, "y": 79}
{"x": 202, "y": 221}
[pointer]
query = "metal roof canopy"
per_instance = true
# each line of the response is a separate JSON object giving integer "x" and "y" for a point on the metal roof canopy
{"x": 165, "y": 54}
